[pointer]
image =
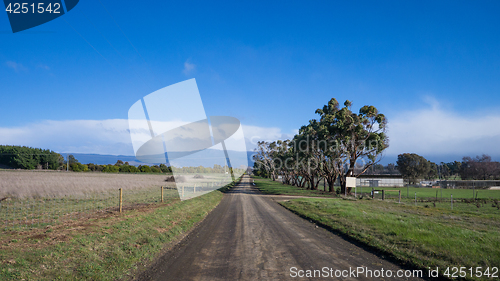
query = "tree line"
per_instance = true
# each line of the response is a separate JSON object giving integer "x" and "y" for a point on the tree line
{"x": 340, "y": 144}
{"x": 119, "y": 167}
{"x": 23, "y": 157}
{"x": 413, "y": 166}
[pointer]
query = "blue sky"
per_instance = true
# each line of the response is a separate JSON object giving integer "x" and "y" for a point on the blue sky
{"x": 432, "y": 67}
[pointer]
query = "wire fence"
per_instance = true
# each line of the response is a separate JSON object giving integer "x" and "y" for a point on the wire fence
{"x": 24, "y": 213}
{"x": 484, "y": 201}
{"x": 469, "y": 184}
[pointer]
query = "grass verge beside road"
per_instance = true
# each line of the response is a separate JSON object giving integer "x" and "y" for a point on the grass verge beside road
{"x": 418, "y": 236}
{"x": 111, "y": 247}
{"x": 270, "y": 187}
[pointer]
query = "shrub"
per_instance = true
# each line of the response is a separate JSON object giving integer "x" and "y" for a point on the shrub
{"x": 145, "y": 169}
{"x": 124, "y": 168}
{"x": 133, "y": 169}
{"x": 111, "y": 169}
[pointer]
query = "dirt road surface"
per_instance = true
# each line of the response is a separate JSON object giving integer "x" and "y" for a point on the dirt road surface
{"x": 251, "y": 237}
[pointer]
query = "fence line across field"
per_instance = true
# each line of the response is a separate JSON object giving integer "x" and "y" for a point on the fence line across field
{"x": 38, "y": 212}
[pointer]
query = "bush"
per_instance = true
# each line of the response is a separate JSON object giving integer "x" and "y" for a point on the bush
{"x": 111, "y": 169}
{"x": 124, "y": 168}
{"x": 75, "y": 167}
{"x": 165, "y": 169}
{"x": 145, "y": 169}
{"x": 337, "y": 190}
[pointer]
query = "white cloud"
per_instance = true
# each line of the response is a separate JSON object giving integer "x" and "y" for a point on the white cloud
{"x": 189, "y": 68}
{"x": 16, "y": 66}
{"x": 77, "y": 136}
{"x": 104, "y": 136}
{"x": 434, "y": 132}
{"x": 254, "y": 134}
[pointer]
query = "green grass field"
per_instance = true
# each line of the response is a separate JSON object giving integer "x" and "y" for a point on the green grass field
{"x": 277, "y": 188}
{"x": 445, "y": 194}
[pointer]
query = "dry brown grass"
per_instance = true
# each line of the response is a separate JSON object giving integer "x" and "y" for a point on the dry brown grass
{"x": 33, "y": 184}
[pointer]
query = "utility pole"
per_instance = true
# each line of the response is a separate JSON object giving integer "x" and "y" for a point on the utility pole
{"x": 67, "y": 162}
{"x": 228, "y": 162}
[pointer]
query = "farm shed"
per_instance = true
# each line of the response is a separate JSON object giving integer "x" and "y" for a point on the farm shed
{"x": 380, "y": 180}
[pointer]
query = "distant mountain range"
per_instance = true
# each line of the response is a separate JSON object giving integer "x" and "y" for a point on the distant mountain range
{"x": 206, "y": 158}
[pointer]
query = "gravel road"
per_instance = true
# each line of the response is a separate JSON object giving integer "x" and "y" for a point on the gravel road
{"x": 251, "y": 237}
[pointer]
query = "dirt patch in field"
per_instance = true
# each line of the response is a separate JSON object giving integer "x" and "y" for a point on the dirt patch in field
{"x": 37, "y": 236}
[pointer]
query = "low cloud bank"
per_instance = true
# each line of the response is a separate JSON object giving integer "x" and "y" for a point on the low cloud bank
{"x": 434, "y": 133}
{"x": 110, "y": 137}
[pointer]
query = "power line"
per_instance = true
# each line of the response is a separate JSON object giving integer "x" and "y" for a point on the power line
{"x": 90, "y": 45}
{"x": 100, "y": 33}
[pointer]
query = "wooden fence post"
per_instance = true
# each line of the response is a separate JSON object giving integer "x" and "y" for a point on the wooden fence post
{"x": 121, "y": 202}
{"x": 399, "y": 196}
{"x": 383, "y": 194}
{"x": 162, "y": 194}
{"x": 373, "y": 192}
